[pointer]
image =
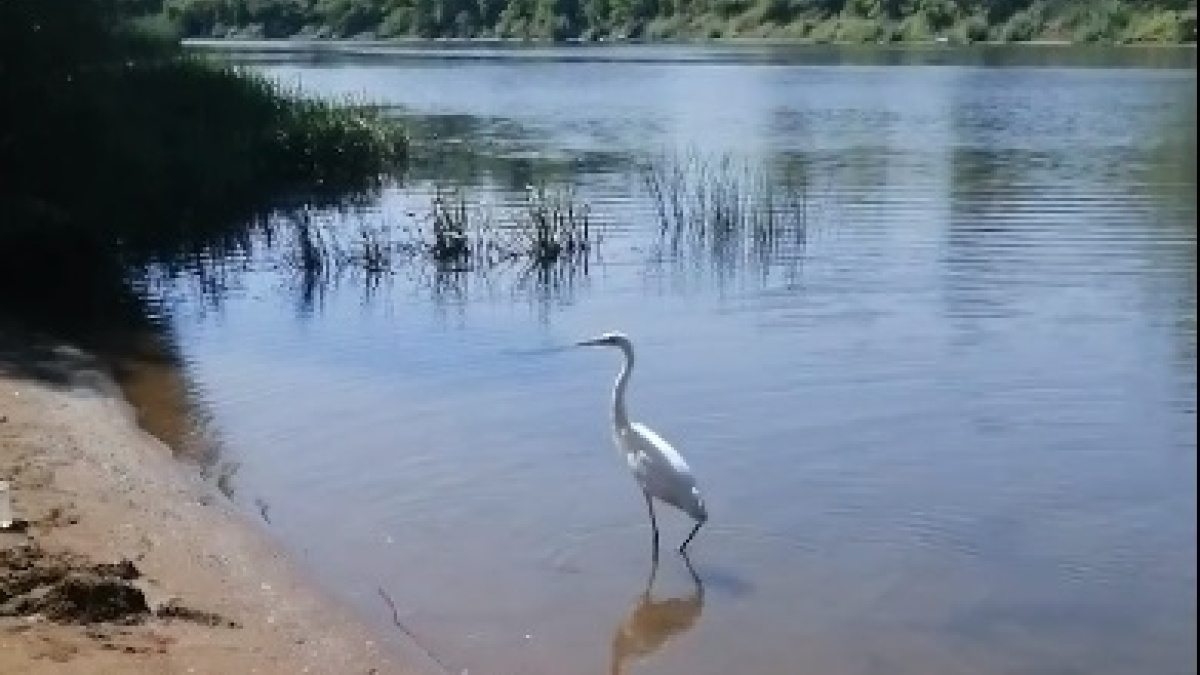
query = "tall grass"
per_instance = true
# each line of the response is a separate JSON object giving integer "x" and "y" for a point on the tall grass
{"x": 166, "y": 148}
{"x": 119, "y": 150}
{"x": 543, "y": 244}
{"x": 451, "y": 238}
{"x": 551, "y": 227}
{"x": 715, "y": 210}
{"x": 556, "y": 226}
{"x": 118, "y": 143}
{"x": 725, "y": 205}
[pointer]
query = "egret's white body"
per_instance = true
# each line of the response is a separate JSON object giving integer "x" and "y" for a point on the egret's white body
{"x": 659, "y": 469}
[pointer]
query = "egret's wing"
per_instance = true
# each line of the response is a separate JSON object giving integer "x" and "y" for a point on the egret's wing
{"x": 661, "y": 470}
{"x": 659, "y": 450}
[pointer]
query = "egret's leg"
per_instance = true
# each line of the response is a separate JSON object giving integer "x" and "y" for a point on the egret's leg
{"x": 653, "y": 524}
{"x": 695, "y": 576}
{"x": 653, "y": 574}
{"x": 684, "y": 545}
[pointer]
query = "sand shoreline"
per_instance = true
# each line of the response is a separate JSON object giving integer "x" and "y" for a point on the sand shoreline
{"x": 96, "y": 489}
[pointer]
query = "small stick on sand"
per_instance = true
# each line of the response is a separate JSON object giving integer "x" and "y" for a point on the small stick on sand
{"x": 400, "y": 624}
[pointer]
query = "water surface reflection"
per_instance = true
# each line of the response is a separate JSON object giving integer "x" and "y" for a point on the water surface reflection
{"x": 651, "y": 623}
{"x": 947, "y": 423}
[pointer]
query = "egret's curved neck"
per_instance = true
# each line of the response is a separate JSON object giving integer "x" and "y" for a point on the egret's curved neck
{"x": 620, "y": 417}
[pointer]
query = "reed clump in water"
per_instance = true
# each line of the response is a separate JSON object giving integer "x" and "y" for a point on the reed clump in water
{"x": 556, "y": 225}
{"x": 552, "y": 227}
{"x": 727, "y": 206}
{"x": 450, "y": 228}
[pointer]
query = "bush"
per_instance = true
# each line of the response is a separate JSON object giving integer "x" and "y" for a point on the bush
{"x": 854, "y": 29}
{"x": 972, "y": 29}
{"x": 915, "y": 29}
{"x": 1165, "y": 26}
{"x": 123, "y": 136}
{"x": 1021, "y": 27}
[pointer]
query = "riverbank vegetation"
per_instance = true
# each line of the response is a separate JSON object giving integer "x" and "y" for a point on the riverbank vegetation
{"x": 458, "y": 232}
{"x": 113, "y": 132}
{"x": 117, "y": 147}
{"x": 724, "y": 210}
{"x": 861, "y": 21}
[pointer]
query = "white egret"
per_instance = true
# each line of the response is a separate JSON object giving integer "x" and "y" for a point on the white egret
{"x": 661, "y": 472}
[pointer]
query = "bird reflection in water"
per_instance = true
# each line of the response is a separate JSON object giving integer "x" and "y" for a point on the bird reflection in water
{"x": 652, "y": 623}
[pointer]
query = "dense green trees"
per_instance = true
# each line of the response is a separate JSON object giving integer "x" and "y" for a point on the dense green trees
{"x": 823, "y": 20}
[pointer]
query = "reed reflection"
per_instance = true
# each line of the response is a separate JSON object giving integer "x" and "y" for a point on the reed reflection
{"x": 716, "y": 219}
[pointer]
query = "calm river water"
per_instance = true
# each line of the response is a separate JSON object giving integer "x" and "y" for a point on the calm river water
{"x": 944, "y": 421}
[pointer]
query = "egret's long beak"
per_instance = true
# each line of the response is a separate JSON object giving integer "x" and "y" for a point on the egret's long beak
{"x": 594, "y": 342}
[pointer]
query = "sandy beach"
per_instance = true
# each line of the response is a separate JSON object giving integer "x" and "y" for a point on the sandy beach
{"x": 128, "y": 562}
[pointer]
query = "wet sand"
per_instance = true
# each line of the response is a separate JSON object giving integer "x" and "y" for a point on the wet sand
{"x": 129, "y": 562}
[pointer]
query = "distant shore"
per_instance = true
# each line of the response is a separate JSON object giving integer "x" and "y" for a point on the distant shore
{"x": 175, "y": 579}
{"x": 767, "y": 40}
{"x": 826, "y": 22}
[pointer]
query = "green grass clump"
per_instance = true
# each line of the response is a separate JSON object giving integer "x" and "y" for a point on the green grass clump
{"x": 722, "y": 204}
{"x": 556, "y": 226}
{"x": 117, "y": 136}
{"x": 551, "y": 229}
{"x": 450, "y": 234}
{"x": 118, "y": 150}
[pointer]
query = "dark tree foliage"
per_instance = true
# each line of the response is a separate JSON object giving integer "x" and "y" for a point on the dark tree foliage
{"x": 843, "y": 20}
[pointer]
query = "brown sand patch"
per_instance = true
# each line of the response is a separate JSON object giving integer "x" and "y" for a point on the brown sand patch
{"x": 130, "y": 563}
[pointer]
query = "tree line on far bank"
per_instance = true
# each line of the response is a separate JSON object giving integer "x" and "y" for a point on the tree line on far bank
{"x": 860, "y": 21}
